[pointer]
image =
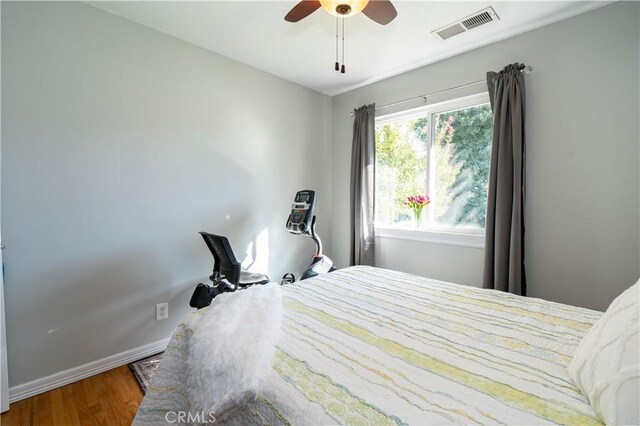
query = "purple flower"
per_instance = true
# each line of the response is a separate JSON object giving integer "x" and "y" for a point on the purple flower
{"x": 417, "y": 202}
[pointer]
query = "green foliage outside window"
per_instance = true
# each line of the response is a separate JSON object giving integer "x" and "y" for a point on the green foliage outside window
{"x": 461, "y": 149}
{"x": 401, "y": 165}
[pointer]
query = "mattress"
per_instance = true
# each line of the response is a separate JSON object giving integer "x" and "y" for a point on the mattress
{"x": 372, "y": 346}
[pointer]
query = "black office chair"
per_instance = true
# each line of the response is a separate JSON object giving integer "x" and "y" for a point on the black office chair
{"x": 228, "y": 274}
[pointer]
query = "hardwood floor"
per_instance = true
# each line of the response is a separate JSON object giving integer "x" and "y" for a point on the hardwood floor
{"x": 110, "y": 398}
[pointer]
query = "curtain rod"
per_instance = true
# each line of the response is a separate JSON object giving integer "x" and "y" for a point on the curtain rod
{"x": 526, "y": 69}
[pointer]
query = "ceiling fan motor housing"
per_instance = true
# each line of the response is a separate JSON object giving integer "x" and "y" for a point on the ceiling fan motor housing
{"x": 343, "y": 9}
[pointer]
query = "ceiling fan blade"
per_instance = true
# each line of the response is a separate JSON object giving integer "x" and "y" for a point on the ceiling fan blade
{"x": 302, "y": 10}
{"x": 380, "y": 11}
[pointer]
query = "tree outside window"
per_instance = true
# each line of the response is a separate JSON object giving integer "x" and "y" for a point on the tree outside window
{"x": 443, "y": 152}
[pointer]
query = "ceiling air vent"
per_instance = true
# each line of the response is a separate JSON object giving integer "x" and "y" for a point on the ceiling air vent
{"x": 465, "y": 24}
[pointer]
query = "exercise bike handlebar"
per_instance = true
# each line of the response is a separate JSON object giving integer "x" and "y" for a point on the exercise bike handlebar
{"x": 315, "y": 237}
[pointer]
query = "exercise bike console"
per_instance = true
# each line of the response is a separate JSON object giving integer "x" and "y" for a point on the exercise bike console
{"x": 301, "y": 217}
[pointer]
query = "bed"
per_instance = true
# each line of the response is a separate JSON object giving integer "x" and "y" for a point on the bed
{"x": 372, "y": 346}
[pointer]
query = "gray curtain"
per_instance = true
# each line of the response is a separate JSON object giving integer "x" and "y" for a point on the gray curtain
{"x": 362, "y": 186}
{"x": 504, "y": 245}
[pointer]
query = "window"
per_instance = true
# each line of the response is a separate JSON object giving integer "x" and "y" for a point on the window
{"x": 442, "y": 150}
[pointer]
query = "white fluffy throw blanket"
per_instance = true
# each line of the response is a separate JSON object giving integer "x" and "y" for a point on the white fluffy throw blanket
{"x": 231, "y": 351}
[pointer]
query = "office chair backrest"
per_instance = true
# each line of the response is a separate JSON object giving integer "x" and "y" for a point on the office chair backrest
{"x": 225, "y": 261}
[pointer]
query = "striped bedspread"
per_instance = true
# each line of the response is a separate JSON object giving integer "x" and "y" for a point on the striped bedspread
{"x": 371, "y": 346}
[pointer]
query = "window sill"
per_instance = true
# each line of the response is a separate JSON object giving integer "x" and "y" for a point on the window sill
{"x": 429, "y": 236}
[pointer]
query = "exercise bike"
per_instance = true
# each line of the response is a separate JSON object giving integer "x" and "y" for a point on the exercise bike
{"x": 228, "y": 275}
{"x": 302, "y": 221}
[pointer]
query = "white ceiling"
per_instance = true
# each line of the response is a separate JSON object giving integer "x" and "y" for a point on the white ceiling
{"x": 255, "y": 33}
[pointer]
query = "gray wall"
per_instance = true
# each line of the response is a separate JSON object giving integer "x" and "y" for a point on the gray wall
{"x": 119, "y": 144}
{"x": 582, "y": 213}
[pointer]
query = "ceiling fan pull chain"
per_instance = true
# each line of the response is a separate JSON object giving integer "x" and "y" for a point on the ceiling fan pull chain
{"x": 337, "y": 68}
{"x": 342, "y": 70}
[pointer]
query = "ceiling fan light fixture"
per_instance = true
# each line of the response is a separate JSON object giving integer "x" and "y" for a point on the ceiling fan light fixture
{"x": 347, "y": 7}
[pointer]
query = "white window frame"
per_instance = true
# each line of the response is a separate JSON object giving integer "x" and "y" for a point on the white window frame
{"x": 470, "y": 237}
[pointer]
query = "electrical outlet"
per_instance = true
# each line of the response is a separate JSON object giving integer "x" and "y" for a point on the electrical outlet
{"x": 162, "y": 311}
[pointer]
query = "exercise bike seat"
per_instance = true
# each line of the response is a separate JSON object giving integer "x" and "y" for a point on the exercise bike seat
{"x": 226, "y": 265}
{"x": 251, "y": 278}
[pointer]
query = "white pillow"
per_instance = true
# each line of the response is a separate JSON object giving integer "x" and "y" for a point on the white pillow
{"x": 606, "y": 365}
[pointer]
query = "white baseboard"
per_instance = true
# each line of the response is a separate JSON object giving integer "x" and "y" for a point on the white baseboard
{"x": 44, "y": 384}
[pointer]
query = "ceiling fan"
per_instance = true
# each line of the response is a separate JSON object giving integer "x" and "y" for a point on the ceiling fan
{"x": 380, "y": 11}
